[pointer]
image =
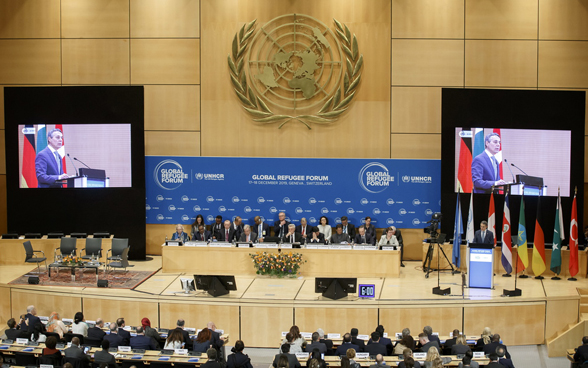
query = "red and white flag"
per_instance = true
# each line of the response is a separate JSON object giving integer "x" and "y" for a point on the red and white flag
{"x": 492, "y": 218}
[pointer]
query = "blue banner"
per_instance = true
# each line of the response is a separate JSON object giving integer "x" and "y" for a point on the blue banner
{"x": 403, "y": 193}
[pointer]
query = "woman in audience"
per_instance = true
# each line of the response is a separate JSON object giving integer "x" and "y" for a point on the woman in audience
{"x": 150, "y": 332}
{"x": 388, "y": 238}
{"x": 434, "y": 360}
{"x": 203, "y": 341}
{"x": 175, "y": 340}
{"x": 79, "y": 325}
{"x": 56, "y": 325}
{"x": 410, "y": 363}
{"x": 238, "y": 359}
{"x": 345, "y": 363}
{"x": 37, "y": 335}
{"x": 53, "y": 356}
{"x": 198, "y": 221}
{"x": 461, "y": 346}
{"x": 485, "y": 339}
{"x": 350, "y": 355}
{"x": 296, "y": 341}
{"x": 406, "y": 354}
{"x": 407, "y": 342}
{"x": 283, "y": 362}
{"x": 324, "y": 228}
{"x": 212, "y": 361}
{"x": 467, "y": 361}
{"x": 316, "y": 360}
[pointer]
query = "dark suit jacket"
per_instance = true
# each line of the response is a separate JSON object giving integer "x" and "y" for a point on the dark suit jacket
{"x": 143, "y": 342}
{"x": 368, "y": 239}
{"x": 494, "y": 365}
{"x": 232, "y": 235}
{"x": 292, "y": 360}
{"x": 297, "y": 238}
{"x": 126, "y": 335}
{"x": 375, "y": 348}
{"x": 459, "y": 349}
{"x": 329, "y": 345}
{"x": 506, "y": 362}
{"x": 336, "y": 238}
{"x": 320, "y": 240}
{"x": 238, "y": 230}
{"x": 488, "y": 239}
{"x": 202, "y": 237}
{"x": 342, "y": 349}
{"x": 12, "y": 333}
{"x": 96, "y": 333}
{"x": 371, "y": 230}
{"x": 115, "y": 340}
{"x": 491, "y": 348}
{"x": 47, "y": 169}
{"x": 358, "y": 342}
{"x": 75, "y": 352}
{"x": 482, "y": 173}
{"x": 580, "y": 356}
{"x": 316, "y": 345}
{"x": 425, "y": 348}
{"x": 217, "y": 343}
{"x": 265, "y": 227}
{"x": 350, "y": 230}
{"x": 399, "y": 237}
{"x": 33, "y": 320}
{"x": 216, "y": 229}
{"x": 252, "y": 237}
{"x": 277, "y": 228}
{"x": 187, "y": 339}
{"x": 307, "y": 230}
{"x": 103, "y": 356}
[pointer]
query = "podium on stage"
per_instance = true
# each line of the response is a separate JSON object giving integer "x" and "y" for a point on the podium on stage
{"x": 532, "y": 185}
{"x": 89, "y": 178}
{"x": 480, "y": 261}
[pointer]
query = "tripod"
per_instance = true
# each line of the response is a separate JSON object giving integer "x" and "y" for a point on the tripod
{"x": 435, "y": 239}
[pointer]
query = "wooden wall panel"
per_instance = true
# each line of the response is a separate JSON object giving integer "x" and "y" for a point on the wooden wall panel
{"x": 441, "y": 318}
{"x": 172, "y": 108}
{"x": 132, "y": 310}
{"x": 427, "y": 19}
{"x": 558, "y": 314}
{"x": 30, "y": 62}
{"x": 96, "y": 61}
{"x": 225, "y": 317}
{"x": 272, "y": 320}
{"x": 511, "y": 321}
{"x": 416, "y": 146}
{"x": 563, "y": 64}
{"x": 46, "y": 302}
{"x": 563, "y": 20}
{"x": 159, "y": 143}
{"x": 165, "y": 18}
{"x": 29, "y": 19}
{"x": 95, "y": 18}
{"x": 427, "y": 62}
{"x": 501, "y": 19}
{"x": 156, "y": 234}
{"x": 170, "y": 61}
{"x": 500, "y": 63}
{"x": 310, "y": 319}
{"x": 416, "y": 110}
{"x": 5, "y": 309}
{"x": 413, "y": 240}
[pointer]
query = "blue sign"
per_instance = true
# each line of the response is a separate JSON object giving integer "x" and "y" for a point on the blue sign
{"x": 480, "y": 268}
{"x": 403, "y": 193}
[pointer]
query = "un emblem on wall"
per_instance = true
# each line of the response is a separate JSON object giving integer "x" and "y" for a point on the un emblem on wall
{"x": 295, "y": 68}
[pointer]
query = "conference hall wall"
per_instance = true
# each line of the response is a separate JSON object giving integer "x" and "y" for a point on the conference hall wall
{"x": 178, "y": 50}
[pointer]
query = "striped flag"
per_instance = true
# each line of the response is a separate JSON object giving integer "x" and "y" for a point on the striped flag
{"x": 28, "y": 178}
{"x": 41, "y": 137}
{"x": 492, "y": 217}
{"x": 506, "y": 238}
{"x": 470, "y": 228}
{"x": 538, "y": 243}
{"x": 464, "y": 168}
{"x": 478, "y": 138}
{"x": 574, "y": 239}
{"x": 558, "y": 236}
{"x": 523, "y": 259}
{"x": 457, "y": 231}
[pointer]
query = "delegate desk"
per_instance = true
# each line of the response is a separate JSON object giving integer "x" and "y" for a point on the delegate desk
{"x": 212, "y": 260}
{"x": 392, "y": 361}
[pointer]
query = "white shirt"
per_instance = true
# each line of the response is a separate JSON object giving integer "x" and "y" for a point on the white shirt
{"x": 80, "y": 328}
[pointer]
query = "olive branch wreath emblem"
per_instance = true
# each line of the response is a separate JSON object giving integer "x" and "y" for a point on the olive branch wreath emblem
{"x": 330, "y": 111}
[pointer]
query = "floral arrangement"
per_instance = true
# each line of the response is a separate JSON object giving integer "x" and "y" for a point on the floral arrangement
{"x": 72, "y": 260}
{"x": 277, "y": 264}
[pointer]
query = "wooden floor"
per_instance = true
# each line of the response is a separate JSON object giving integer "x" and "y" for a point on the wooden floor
{"x": 263, "y": 307}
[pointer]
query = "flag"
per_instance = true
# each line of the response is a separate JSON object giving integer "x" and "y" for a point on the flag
{"x": 492, "y": 217}
{"x": 523, "y": 259}
{"x": 574, "y": 240}
{"x": 506, "y": 239}
{"x": 457, "y": 231}
{"x": 557, "y": 238}
{"x": 470, "y": 228}
{"x": 464, "y": 168}
{"x": 538, "y": 243}
{"x": 478, "y": 137}
{"x": 41, "y": 137}
{"x": 28, "y": 177}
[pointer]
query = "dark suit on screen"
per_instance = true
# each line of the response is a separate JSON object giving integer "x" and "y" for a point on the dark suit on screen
{"x": 488, "y": 238}
{"x": 47, "y": 170}
{"x": 368, "y": 239}
{"x": 252, "y": 237}
{"x": 483, "y": 173}
{"x": 202, "y": 237}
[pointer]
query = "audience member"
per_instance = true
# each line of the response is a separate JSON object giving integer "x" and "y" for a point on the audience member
{"x": 328, "y": 343}
{"x": 175, "y": 340}
{"x": 467, "y": 361}
{"x": 126, "y": 335}
{"x": 79, "y": 325}
{"x": 425, "y": 343}
{"x": 75, "y": 352}
{"x": 237, "y": 359}
{"x": 203, "y": 341}
{"x": 37, "y": 335}
{"x": 384, "y": 340}
{"x": 316, "y": 361}
{"x": 103, "y": 356}
{"x": 316, "y": 344}
{"x": 142, "y": 342}
{"x": 185, "y": 334}
{"x": 345, "y": 345}
{"x": 52, "y": 355}
{"x": 500, "y": 351}
{"x": 450, "y": 342}
{"x": 114, "y": 338}
{"x": 434, "y": 360}
{"x": 429, "y": 331}
{"x": 218, "y": 340}
{"x": 461, "y": 346}
{"x": 68, "y": 365}
{"x": 283, "y": 362}
{"x": 325, "y": 228}
{"x": 485, "y": 338}
{"x": 150, "y": 331}
{"x": 212, "y": 361}
{"x": 407, "y": 357}
{"x": 56, "y": 325}
{"x": 30, "y": 319}
{"x": 407, "y": 342}
{"x": 379, "y": 362}
{"x": 296, "y": 340}
{"x": 12, "y": 332}
{"x": 285, "y": 351}
{"x": 350, "y": 354}
{"x": 355, "y": 341}
{"x": 347, "y": 227}
{"x": 491, "y": 347}
{"x": 581, "y": 354}
{"x": 374, "y": 347}
{"x": 96, "y": 332}
{"x": 493, "y": 361}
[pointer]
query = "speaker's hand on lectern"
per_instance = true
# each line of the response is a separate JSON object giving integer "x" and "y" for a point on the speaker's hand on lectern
{"x": 500, "y": 182}
{"x": 63, "y": 176}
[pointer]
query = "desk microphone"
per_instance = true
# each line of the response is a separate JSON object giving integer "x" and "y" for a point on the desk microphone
{"x": 74, "y": 165}
{"x": 520, "y": 169}
{"x": 513, "y": 177}
{"x": 90, "y": 167}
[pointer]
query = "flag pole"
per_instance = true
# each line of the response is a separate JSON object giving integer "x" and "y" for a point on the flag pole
{"x": 558, "y": 209}
{"x": 515, "y": 292}
{"x": 571, "y": 232}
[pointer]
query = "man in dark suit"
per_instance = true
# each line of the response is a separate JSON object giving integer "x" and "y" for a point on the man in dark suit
{"x": 369, "y": 228}
{"x": 292, "y": 360}
{"x": 291, "y": 236}
{"x": 228, "y": 232}
{"x": 384, "y": 340}
{"x": 356, "y": 341}
{"x": 143, "y": 342}
{"x": 363, "y": 238}
{"x": 328, "y": 343}
{"x": 304, "y": 229}
{"x": 217, "y": 228}
{"x": 316, "y": 236}
{"x": 217, "y": 340}
{"x": 96, "y": 332}
{"x": 396, "y": 232}
{"x": 485, "y": 166}
{"x": 103, "y": 356}
{"x": 347, "y": 227}
{"x": 281, "y": 226}
{"x": 429, "y": 331}
{"x": 484, "y": 235}
{"x": 500, "y": 351}
{"x": 113, "y": 338}
{"x": 248, "y": 235}
{"x": 185, "y": 334}
{"x": 261, "y": 228}
{"x": 316, "y": 344}
{"x": 126, "y": 335}
{"x": 12, "y": 332}
{"x": 202, "y": 234}
{"x": 238, "y": 226}
{"x": 425, "y": 343}
{"x": 374, "y": 347}
{"x": 493, "y": 361}
{"x": 450, "y": 342}
{"x": 339, "y": 237}
{"x": 581, "y": 354}
{"x": 346, "y": 344}
{"x": 75, "y": 352}
{"x": 30, "y": 319}
{"x": 48, "y": 163}
{"x": 494, "y": 344}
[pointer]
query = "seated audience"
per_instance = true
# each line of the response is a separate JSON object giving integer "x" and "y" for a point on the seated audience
{"x": 79, "y": 325}
{"x": 237, "y": 359}
{"x": 203, "y": 341}
{"x": 103, "y": 356}
{"x": 151, "y": 332}
{"x": 316, "y": 344}
{"x": 114, "y": 339}
{"x": 75, "y": 352}
{"x": 142, "y": 342}
{"x": 450, "y": 342}
{"x": 429, "y": 331}
{"x": 492, "y": 346}
{"x": 175, "y": 340}
{"x": 328, "y": 343}
{"x": 56, "y": 325}
{"x": 461, "y": 346}
{"x": 283, "y": 362}
{"x": 363, "y": 238}
{"x": 493, "y": 361}
{"x": 218, "y": 340}
{"x": 355, "y": 341}
{"x": 212, "y": 361}
{"x": 407, "y": 358}
{"x": 485, "y": 338}
{"x": 500, "y": 351}
{"x": 339, "y": 236}
{"x": 581, "y": 354}
{"x": 315, "y": 360}
{"x": 285, "y": 351}
{"x": 12, "y": 332}
{"x": 53, "y": 355}
{"x": 388, "y": 238}
{"x": 407, "y": 342}
{"x": 185, "y": 335}
{"x": 374, "y": 347}
{"x": 295, "y": 339}
{"x": 426, "y": 344}
{"x": 126, "y": 335}
{"x": 467, "y": 361}
{"x": 345, "y": 345}
{"x": 434, "y": 360}
{"x": 380, "y": 363}
{"x": 351, "y": 355}
{"x": 37, "y": 335}
{"x": 384, "y": 340}
{"x": 28, "y": 322}
{"x": 325, "y": 228}
{"x": 96, "y": 332}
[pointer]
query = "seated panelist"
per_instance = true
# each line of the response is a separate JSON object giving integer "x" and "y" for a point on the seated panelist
{"x": 316, "y": 237}
{"x": 304, "y": 229}
{"x": 388, "y": 238}
{"x": 180, "y": 234}
{"x": 292, "y": 236}
{"x": 363, "y": 238}
{"x": 228, "y": 233}
{"x": 248, "y": 236}
{"x": 202, "y": 234}
{"x": 339, "y": 236}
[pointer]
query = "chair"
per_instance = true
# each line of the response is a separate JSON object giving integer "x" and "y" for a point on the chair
{"x": 50, "y": 360}
{"x": 93, "y": 248}
{"x": 118, "y": 246}
{"x": 122, "y": 263}
{"x": 67, "y": 247}
{"x": 92, "y": 342}
{"x": 10, "y": 236}
{"x": 25, "y": 359}
{"x": 54, "y": 334}
{"x": 76, "y": 362}
{"x": 78, "y": 235}
{"x": 68, "y": 336}
{"x": 30, "y": 255}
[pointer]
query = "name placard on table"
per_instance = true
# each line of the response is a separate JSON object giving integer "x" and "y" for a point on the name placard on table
{"x": 220, "y": 245}
{"x": 334, "y": 336}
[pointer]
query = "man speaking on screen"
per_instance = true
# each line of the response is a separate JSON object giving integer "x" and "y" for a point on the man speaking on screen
{"x": 49, "y": 164}
{"x": 485, "y": 166}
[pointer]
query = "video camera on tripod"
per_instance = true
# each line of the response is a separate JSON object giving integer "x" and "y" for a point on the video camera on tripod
{"x": 434, "y": 225}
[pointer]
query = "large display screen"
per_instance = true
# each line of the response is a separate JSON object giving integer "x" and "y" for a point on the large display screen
{"x": 490, "y": 155}
{"x": 49, "y": 154}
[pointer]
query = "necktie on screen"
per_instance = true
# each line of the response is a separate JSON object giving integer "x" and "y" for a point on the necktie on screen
{"x": 58, "y": 161}
{"x": 495, "y": 165}
{"x": 227, "y": 235}
{"x": 292, "y": 238}
{"x": 303, "y": 230}
{"x": 344, "y": 229}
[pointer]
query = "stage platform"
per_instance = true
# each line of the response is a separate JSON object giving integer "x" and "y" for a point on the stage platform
{"x": 263, "y": 307}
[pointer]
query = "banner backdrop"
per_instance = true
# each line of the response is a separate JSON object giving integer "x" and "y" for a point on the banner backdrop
{"x": 403, "y": 193}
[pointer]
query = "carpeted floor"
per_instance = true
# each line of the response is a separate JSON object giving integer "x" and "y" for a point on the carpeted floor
{"x": 118, "y": 279}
